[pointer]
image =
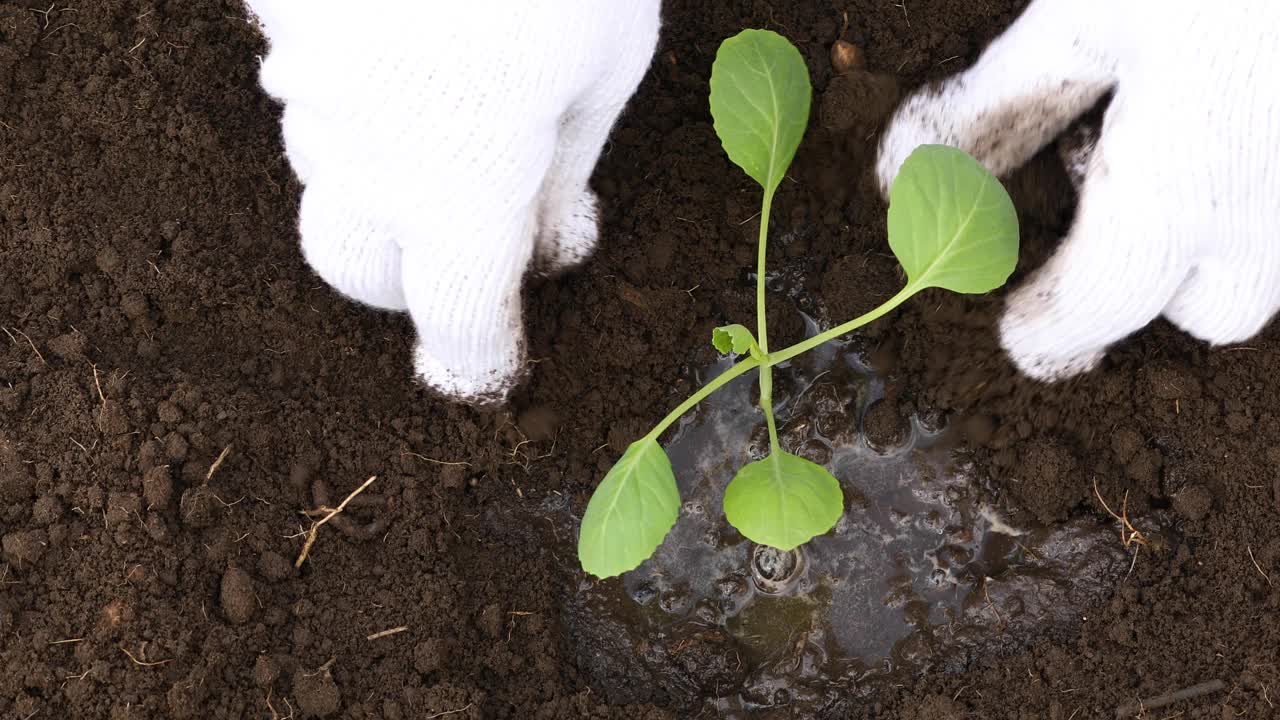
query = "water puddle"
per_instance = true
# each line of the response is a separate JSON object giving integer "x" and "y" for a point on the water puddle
{"x": 921, "y": 574}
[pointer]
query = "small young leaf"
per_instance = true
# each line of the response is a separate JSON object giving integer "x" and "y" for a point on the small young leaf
{"x": 734, "y": 339}
{"x": 951, "y": 223}
{"x": 760, "y": 95}
{"x": 783, "y": 501}
{"x": 630, "y": 512}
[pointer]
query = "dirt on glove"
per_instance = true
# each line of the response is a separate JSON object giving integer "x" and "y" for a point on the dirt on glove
{"x": 176, "y": 389}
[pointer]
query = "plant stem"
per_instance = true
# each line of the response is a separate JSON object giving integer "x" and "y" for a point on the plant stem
{"x": 835, "y": 332}
{"x": 766, "y": 405}
{"x": 762, "y": 323}
{"x": 766, "y": 376}
{"x": 684, "y": 407}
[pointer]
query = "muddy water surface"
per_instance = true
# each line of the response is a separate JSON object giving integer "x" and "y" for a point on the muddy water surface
{"x": 921, "y": 573}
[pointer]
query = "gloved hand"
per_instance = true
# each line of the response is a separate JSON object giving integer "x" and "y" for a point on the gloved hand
{"x": 446, "y": 147}
{"x": 1179, "y": 207}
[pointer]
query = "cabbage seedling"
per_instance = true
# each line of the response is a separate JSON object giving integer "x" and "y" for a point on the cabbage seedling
{"x": 951, "y": 225}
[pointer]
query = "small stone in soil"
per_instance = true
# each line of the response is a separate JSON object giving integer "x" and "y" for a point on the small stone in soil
{"x": 316, "y": 692}
{"x": 265, "y": 671}
{"x": 845, "y": 57}
{"x": 157, "y": 487}
{"x": 238, "y": 601}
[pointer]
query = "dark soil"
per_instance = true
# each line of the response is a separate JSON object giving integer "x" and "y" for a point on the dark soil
{"x": 156, "y": 311}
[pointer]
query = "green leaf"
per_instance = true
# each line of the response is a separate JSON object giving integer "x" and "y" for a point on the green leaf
{"x": 735, "y": 339}
{"x": 760, "y": 97}
{"x": 951, "y": 223}
{"x": 631, "y": 511}
{"x": 783, "y": 501}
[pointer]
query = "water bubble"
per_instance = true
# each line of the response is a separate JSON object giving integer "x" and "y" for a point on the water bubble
{"x": 644, "y": 593}
{"x": 776, "y": 571}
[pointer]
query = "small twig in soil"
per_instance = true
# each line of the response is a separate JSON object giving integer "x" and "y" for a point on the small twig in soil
{"x": 275, "y": 715}
{"x": 1158, "y": 702}
{"x": 1128, "y": 533}
{"x": 315, "y": 527}
{"x": 322, "y": 669}
{"x": 344, "y": 523}
{"x": 990, "y": 604}
{"x": 33, "y": 345}
{"x": 511, "y": 624}
{"x": 45, "y": 13}
{"x": 449, "y": 712}
{"x": 63, "y": 26}
{"x": 81, "y": 676}
{"x": 1261, "y": 572}
{"x": 222, "y": 456}
{"x": 68, "y": 640}
{"x": 386, "y": 633}
{"x": 97, "y": 383}
{"x": 224, "y": 503}
{"x": 136, "y": 661}
{"x": 435, "y": 461}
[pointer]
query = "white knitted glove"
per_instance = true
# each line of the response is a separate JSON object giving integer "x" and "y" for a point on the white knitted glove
{"x": 444, "y": 146}
{"x": 1179, "y": 207}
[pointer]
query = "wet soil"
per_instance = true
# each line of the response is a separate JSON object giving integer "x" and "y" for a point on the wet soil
{"x": 176, "y": 388}
{"x": 922, "y": 574}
